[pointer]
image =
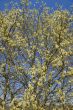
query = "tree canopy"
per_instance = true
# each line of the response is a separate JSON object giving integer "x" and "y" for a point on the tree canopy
{"x": 36, "y": 56}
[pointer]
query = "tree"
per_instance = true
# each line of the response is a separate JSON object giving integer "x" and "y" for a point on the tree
{"x": 12, "y": 43}
{"x": 51, "y": 72}
{"x": 36, "y": 52}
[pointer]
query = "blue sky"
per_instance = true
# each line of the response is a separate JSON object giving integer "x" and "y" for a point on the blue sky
{"x": 65, "y": 3}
